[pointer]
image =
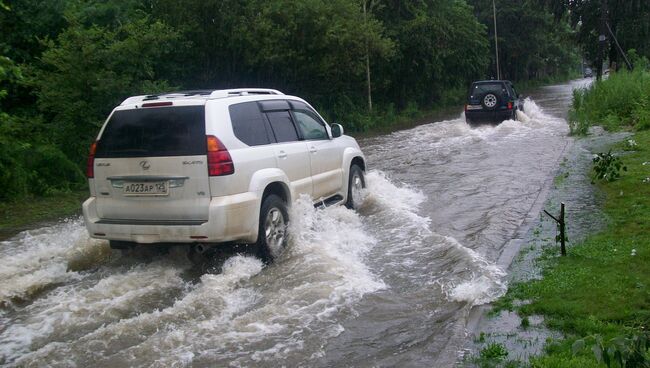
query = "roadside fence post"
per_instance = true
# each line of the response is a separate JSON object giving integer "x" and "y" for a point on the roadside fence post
{"x": 562, "y": 226}
{"x": 562, "y": 230}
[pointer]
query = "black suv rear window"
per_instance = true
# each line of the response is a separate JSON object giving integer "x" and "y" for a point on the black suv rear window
{"x": 146, "y": 132}
{"x": 481, "y": 88}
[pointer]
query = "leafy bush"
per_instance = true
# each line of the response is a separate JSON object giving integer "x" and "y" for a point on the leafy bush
{"x": 619, "y": 101}
{"x": 607, "y": 167}
{"x": 42, "y": 170}
{"x": 494, "y": 351}
{"x": 631, "y": 351}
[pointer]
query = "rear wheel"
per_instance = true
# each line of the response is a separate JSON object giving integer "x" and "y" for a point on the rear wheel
{"x": 356, "y": 183}
{"x": 272, "y": 232}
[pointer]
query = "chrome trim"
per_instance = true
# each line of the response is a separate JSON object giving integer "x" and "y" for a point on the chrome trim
{"x": 147, "y": 177}
{"x": 152, "y": 222}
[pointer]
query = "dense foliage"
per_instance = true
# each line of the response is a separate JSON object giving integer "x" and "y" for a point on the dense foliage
{"x": 629, "y": 21}
{"x": 622, "y": 100}
{"x": 66, "y": 63}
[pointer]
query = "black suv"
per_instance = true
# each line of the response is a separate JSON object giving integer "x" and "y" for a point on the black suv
{"x": 492, "y": 101}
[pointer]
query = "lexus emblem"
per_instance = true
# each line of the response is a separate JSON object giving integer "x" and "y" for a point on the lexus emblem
{"x": 144, "y": 164}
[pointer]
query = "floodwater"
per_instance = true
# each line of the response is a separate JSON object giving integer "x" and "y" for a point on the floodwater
{"x": 389, "y": 285}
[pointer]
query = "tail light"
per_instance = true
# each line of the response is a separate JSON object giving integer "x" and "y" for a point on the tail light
{"x": 509, "y": 105}
{"x": 219, "y": 160}
{"x": 465, "y": 107}
{"x": 90, "y": 164}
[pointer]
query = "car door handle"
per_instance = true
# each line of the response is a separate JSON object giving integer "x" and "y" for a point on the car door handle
{"x": 282, "y": 154}
{"x": 313, "y": 150}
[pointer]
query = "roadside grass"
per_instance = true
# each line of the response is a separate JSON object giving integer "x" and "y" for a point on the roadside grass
{"x": 620, "y": 101}
{"x": 602, "y": 287}
{"x": 18, "y": 215}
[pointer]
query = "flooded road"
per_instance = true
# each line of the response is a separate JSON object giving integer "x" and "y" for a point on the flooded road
{"x": 391, "y": 285}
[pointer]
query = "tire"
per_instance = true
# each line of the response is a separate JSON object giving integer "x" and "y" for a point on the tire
{"x": 356, "y": 182}
{"x": 490, "y": 101}
{"x": 272, "y": 231}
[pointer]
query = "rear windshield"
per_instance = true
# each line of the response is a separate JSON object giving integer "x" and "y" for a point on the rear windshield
{"x": 164, "y": 131}
{"x": 482, "y": 88}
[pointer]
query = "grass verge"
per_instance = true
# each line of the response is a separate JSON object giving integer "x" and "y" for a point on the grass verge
{"x": 622, "y": 100}
{"x": 601, "y": 289}
{"x": 21, "y": 214}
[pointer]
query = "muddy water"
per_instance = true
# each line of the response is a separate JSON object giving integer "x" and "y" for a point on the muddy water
{"x": 390, "y": 285}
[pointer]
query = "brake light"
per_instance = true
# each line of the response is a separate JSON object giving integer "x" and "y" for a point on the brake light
{"x": 465, "y": 107}
{"x": 90, "y": 164}
{"x": 157, "y": 104}
{"x": 219, "y": 160}
{"x": 509, "y": 105}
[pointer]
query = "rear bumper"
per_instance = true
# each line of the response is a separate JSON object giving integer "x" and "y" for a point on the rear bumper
{"x": 485, "y": 116}
{"x": 231, "y": 218}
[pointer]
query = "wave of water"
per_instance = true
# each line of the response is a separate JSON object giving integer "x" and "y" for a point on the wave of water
{"x": 148, "y": 312}
{"x": 415, "y": 247}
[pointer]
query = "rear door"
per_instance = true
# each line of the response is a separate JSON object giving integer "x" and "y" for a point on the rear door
{"x": 151, "y": 165}
{"x": 292, "y": 154}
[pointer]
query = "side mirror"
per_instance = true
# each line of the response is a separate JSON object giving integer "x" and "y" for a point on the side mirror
{"x": 337, "y": 130}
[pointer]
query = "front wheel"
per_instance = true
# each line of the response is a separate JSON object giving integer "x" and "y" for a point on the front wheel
{"x": 356, "y": 183}
{"x": 272, "y": 232}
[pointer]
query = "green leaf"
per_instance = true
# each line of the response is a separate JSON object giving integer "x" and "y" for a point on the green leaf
{"x": 577, "y": 346}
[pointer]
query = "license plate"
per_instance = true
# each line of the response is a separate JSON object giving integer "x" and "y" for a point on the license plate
{"x": 474, "y": 107}
{"x": 147, "y": 188}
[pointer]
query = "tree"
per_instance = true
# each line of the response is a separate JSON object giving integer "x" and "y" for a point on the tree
{"x": 89, "y": 69}
{"x": 440, "y": 48}
{"x": 533, "y": 41}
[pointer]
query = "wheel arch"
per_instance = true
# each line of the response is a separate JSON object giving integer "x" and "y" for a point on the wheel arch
{"x": 359, "y": 161}
{"x": 278, "y": 188}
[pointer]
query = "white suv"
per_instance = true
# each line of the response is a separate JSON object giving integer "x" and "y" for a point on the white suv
{"x": 205, "y": 167}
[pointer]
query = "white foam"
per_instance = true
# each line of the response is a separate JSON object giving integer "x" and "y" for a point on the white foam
{"x": 485, "y": 284}
{"x": 38, "y": 258}
{"x": 225, "y": 317}
{"x": 75, "y": 308}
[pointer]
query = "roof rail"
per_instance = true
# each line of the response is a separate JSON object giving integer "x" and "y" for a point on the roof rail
{"x": 221, "y": 93}
{"x": 206, "y": 93}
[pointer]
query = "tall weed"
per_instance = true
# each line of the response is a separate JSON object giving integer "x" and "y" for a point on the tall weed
{"x": 622, "y": 100}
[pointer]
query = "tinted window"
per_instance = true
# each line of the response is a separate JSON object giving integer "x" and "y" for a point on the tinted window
{"x": 282, "y": 126}
{"x": 482, "y": 88}
{"x": 248, "y": 124}
{"x": 309, "y": 125}
{"x": 164, "y": 131}
{"x": 514, "y": 91}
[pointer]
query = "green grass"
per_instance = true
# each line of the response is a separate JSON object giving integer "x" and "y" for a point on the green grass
{"x": 21, "y": 214}
{"x": 622, "y": 100}
{"x": 602, "y": 286}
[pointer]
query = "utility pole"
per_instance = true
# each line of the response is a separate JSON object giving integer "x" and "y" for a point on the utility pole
{"x": 365, "y": 20}
{"x": 601, "y": 38}
{"x": 496, "y": 39}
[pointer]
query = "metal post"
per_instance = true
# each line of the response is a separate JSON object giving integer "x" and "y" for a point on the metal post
{"x": 618, "y": 46}
{"x": 562, "y": 226}
{"x": 601, "y": 38}
{"x": 496, "y": 39}
{"x": 562, "y": 231}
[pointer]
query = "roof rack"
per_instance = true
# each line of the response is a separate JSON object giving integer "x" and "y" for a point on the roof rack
{"x": 243, "y": 92}
{"x": 206, "y": 93}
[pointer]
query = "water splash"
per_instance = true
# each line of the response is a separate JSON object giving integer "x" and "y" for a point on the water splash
{"x": 37, "y": 259}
